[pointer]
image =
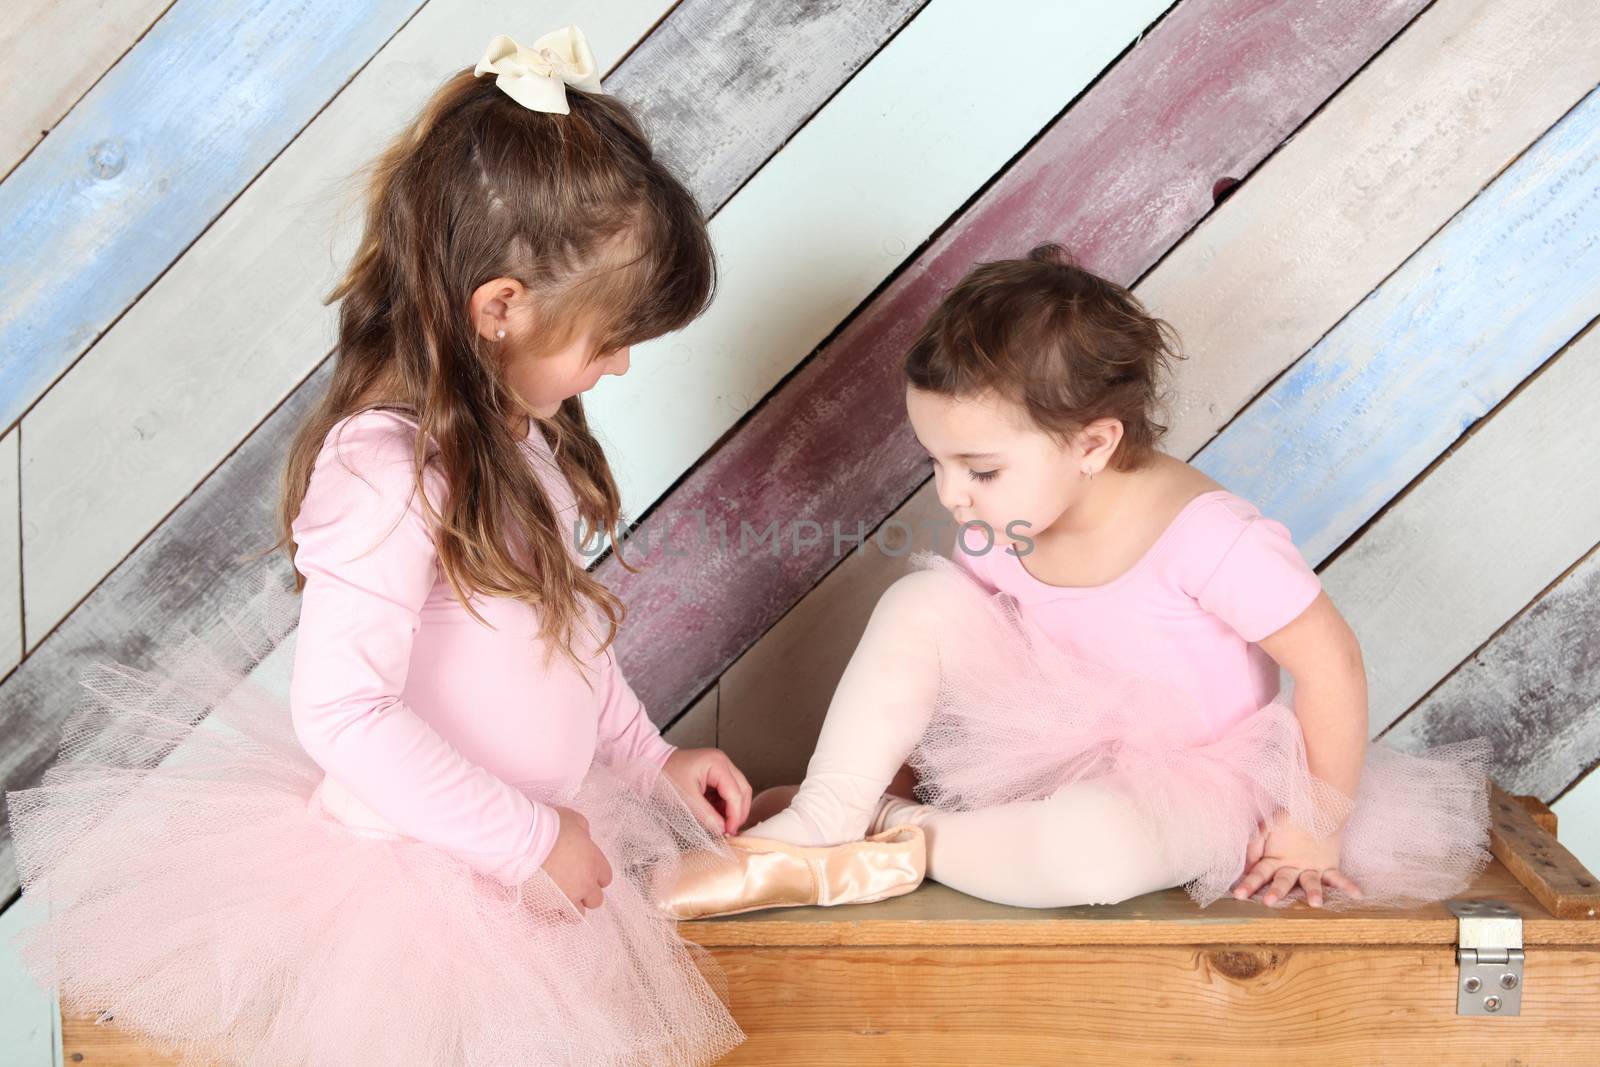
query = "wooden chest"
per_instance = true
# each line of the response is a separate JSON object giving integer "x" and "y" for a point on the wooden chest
{"x": 939, "y": 978}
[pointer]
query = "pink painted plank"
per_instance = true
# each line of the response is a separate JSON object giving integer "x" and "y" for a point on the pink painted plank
{"x": 1120, "y": 178}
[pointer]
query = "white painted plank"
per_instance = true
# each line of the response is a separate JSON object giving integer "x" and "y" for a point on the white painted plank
{"x": 136, "y": 424}
{"x": 10, "y": 555}
{"x": 890, "y": 158}
{"x": 1578, "y": 821}
{"x": 1467, "y": 547}
{"x": 52, "y": 51}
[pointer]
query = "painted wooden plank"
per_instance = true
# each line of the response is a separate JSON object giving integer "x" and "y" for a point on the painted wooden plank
{"x": 1504, "y": 286}
{"x": 755, "y": 68}
{"x": 52, "y": 51}
{"x": 152, "y": 591}
{"x": 846, "y": 217}
{"x": 239, "y": 321}
{"x": 151, "y": 155}
{"x": 1477, "y": 540}
{"x": 1579, "y": 814}
{"x": 1533, "y": 689}
{"x": 833, "y": 443}
{"x": 10, "y": 555}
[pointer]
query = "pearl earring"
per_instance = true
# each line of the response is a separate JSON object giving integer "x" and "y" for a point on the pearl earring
{"x": 499, "y": 333}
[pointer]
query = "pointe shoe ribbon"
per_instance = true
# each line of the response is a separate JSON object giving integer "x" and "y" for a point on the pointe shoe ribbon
{"x": 766, "y": 873}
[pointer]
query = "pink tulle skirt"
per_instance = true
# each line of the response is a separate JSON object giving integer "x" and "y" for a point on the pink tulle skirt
{"x": 185, "y": 889}
{"x": 1018, "y": 718}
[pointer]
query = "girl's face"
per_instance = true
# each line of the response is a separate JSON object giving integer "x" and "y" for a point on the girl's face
{"x": 992, "y": 464}
{"x": 543, "y": 382}
{"x": 504, "y": 317}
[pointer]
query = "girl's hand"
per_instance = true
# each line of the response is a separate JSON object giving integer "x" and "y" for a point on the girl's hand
{"x": 716, "y": 792}
{"x": 575, "y": 864}
{"x": 1288, "y": 854}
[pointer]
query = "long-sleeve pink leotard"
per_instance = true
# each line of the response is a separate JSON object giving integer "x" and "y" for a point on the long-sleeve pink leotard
{"x": 427, "y": 723}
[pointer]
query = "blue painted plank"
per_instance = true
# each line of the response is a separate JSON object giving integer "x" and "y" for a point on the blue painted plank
{"x": 1474, "y": 311}
{"x": 145, "y": 162}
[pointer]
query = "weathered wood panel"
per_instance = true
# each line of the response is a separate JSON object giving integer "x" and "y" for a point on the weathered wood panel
{"x": 746, "y": 69}
{"x": 1579, "y": 811}
{"x": 697, "y": 727}
{"x": 172, "y": 580}
{"x": 29, "y": 1018}
{"x": 833, "y": 443}
{"x": 1430, "y": 586}
{"x": 1363, "y": 227}
{"x": 238, "y": 321}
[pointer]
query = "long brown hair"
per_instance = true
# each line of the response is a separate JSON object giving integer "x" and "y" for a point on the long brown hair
{"x": 1066, "y": 344}
{"x": 606, "y": 239}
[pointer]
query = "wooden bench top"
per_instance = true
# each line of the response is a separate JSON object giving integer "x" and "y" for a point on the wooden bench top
{"x": 1531, "y": 871}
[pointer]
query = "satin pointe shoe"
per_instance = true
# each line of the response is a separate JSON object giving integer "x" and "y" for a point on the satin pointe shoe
{"x": 766, "y": 873}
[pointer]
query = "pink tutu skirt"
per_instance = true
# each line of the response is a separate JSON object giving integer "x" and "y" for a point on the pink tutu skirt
{"x": 186, "y": 889}
{"x": 1018, "y": 718}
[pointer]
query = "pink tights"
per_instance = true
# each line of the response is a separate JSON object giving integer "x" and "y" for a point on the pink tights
{"x": 1082, "y": 845}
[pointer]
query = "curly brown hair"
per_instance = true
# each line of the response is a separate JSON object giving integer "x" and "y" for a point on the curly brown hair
{"x": 607, "y": 241}
{"x": 1064, "y": 343}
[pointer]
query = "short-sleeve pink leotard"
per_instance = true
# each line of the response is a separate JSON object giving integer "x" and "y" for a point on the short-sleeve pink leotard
{"x": 1221, "y": 577}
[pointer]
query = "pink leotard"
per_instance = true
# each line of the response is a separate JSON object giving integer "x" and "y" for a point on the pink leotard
{"x": 1221, "y": 577}
{"x": 427, "y": 723}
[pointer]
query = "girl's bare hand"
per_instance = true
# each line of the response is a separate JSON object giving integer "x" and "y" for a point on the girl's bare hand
{"x": 576, "y": 864}
{"x": 1288, "y": 855}
{"x": 708, "y": 780}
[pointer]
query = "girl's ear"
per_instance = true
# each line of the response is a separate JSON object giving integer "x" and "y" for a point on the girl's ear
{"x": 1097, "y": 441}
{"x": 491, "y": 305}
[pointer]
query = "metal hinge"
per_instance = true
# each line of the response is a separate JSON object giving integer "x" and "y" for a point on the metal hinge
{"x": 1488, "y": 957}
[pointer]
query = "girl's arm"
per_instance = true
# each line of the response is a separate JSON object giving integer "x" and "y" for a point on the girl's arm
{"x": 1321, "y": 653}
{"x": 1263, "y": 588}
{"x": 369, "y": 564}
{"x": 626, "y": 732}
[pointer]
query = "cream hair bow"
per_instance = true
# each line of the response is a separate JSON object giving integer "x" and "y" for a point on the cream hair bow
{"x": 537, "y": 77}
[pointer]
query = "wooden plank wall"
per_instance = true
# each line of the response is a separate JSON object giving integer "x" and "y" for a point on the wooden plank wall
{"x": 1389, "y": 318}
